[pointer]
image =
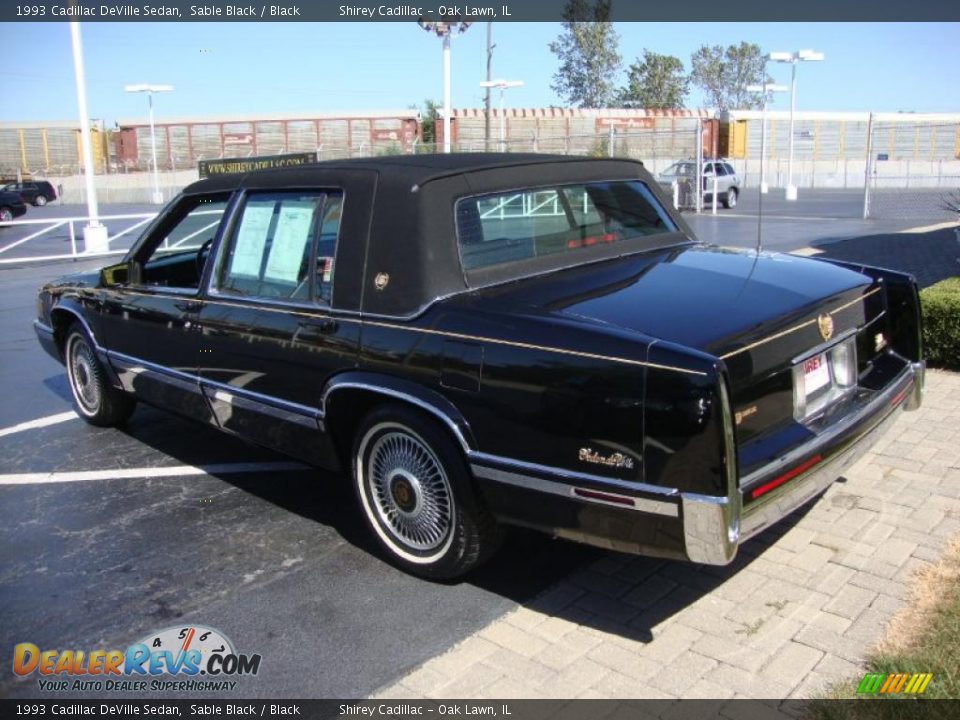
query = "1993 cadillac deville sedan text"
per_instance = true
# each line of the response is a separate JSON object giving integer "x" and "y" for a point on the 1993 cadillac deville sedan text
{"x": 480, "y": 340}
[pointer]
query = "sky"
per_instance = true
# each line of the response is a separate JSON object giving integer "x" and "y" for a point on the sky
{"x": 239, "y": 68}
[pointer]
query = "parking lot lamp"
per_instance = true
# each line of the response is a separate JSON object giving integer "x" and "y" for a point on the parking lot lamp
{"x": 444, "y": 30}
{"x": 793, "y": 58}
{"x": 503, "y": 85}
{"x": 95, "y": 236}
{"x": 766, "y": 89}
{"x": 150, "y": 90}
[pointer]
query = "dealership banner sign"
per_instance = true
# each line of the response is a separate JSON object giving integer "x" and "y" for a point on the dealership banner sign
{"x": 228, "y": 166}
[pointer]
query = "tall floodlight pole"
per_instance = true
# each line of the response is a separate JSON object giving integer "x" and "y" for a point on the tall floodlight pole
{"x": 767, "y": 90}
{"x": 95, "y": 237}
{"x": 444, "y": 30}
{"x": 150, "y": 90}
{"x": 793, "y": 58}
{"x": 502, "y": 85}
{"x": 486, "y": 96}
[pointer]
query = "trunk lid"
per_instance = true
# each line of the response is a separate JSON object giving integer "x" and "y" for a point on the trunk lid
{"x": 734, "y": 304}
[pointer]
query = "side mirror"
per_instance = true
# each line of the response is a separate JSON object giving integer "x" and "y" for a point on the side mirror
{"x": 113, "y": 275}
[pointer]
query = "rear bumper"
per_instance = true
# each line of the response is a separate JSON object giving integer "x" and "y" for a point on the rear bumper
{"x": 714, "y": 526}
{"x": 646, "y": 520}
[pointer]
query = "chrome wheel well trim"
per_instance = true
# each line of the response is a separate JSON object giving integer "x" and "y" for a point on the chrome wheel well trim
{"x": 86, "y": 326}
{"x": 399, "y": 395}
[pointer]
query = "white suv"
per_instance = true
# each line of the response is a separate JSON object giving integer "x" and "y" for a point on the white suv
{"x": 683, "y": 173}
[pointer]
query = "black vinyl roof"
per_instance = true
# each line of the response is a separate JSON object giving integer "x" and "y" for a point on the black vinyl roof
{"x": 413, "y": 169}
{"x": 399, "y": 214}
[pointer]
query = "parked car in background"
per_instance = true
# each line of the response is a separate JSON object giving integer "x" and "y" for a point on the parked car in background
{"x": 11, "y": 206}
{"x": 684, "y": 173}
{"x": 480, "y": 340}
{"x": 36, "y": 192}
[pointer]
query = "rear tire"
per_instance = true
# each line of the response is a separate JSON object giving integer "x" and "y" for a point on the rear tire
{"x": 6, "y": 214}
{"x": 95, "y": 399}
{"x": 730, "y": 201}
{"x": 415, "y": 491}
{"x": 40, "y": 200}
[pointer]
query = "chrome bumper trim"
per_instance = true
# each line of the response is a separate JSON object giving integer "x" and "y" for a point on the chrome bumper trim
{"x": 714, "y": 526}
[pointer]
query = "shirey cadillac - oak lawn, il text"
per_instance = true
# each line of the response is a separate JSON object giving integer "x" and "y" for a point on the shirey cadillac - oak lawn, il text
{"x": 489, "y": 340}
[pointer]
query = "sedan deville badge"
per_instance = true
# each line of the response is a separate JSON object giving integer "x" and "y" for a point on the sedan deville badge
{"x": 618, "y": 460}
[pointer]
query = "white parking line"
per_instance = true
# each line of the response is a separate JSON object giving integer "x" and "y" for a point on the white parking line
{"x": 39, "y": 423}
{"x": 150, "y": 472}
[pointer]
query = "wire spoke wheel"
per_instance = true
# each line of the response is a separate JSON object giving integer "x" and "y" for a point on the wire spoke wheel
{"x": 410, "y": 491}
{"x": 83, "y": 380}
{"x": 415, "y": 491}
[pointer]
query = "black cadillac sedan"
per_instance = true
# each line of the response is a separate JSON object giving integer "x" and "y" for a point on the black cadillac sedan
{"x": 481, "y": 340}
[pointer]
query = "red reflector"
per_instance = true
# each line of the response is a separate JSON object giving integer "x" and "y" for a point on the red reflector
{"x": 594, "y": 495}
{"x": 900, "y": 396}
{"x": 788, "y": 475}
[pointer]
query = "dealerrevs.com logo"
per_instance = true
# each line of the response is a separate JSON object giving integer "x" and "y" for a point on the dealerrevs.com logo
{"x": 196, "y": 657}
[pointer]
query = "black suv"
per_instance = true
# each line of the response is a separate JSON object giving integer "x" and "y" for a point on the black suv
{"x": 11, "y": 206}
{"x": 37, "y": 192}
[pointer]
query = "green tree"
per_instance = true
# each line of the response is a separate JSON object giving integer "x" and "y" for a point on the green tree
{"x": 724, "y": 74}
{"x": 655, "y": 81}
{"x": 588, "y": 55}
{"x": 428, "y": 120}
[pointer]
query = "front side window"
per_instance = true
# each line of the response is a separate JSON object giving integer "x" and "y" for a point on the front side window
{"x": 283, "y": 246}
{"x": 175, "y": 253}
{"x": 558, "y": 225}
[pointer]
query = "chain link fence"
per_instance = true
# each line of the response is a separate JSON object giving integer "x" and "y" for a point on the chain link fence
{"x": 900, "y": 186}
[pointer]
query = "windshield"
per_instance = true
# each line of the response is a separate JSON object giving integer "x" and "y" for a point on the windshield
{"x": 681, "y": 169}
{"x": 544, "y": 228}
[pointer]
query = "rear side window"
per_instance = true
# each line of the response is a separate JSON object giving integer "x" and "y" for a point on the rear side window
{"x": 284, "y": 246}
{"x": 557, "y": 223}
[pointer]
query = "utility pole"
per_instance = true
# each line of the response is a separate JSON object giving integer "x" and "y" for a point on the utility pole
{"x": 486, "y": 100}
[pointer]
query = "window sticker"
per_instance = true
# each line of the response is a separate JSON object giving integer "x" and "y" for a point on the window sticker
{"x": 289, "y": 241}
{"x": 251, "y": 239}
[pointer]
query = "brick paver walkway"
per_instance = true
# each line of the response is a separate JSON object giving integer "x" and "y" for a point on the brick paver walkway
{"x": 798, "y": 609}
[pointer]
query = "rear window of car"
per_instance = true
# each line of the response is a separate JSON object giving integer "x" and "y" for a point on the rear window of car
{"x": 557, "y": 226}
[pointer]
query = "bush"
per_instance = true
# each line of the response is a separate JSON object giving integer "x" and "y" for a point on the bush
{"x": 941, "y": 323}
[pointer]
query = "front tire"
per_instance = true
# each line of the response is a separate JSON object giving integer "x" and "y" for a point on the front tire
{"x": 95, "y": 399}
{"x": 40, "y": 200}
{"x": 415, "y": 491}
{"x": 730, "y": 201}
{"x": 6, "y": 214}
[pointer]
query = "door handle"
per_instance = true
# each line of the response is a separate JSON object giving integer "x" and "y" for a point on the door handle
{"x": 187, "y": 305}
{"x": 325, "y": 326}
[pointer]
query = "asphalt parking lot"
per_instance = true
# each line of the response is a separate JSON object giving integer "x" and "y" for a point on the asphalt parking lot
{"x": 236, "y": 538}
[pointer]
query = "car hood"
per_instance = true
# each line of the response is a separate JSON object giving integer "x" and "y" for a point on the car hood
{"x": 716, "y": 300}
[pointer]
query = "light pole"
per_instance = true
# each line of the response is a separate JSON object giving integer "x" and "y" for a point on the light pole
{"x": 444, "y": 30}
{"x": 766, "y": 90}
{"x": 95, "y": 235}
{"x": 793, "y": 58}
{"x": 150, "y": 90}
{"x": 503, "y": 85}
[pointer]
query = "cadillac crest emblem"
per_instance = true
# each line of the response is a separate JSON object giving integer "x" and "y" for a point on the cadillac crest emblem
{"x": 825, "y": 323}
